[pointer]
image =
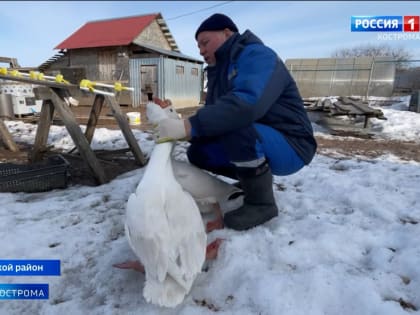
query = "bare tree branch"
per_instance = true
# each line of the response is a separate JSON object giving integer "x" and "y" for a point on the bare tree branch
{"x": 400, "y": 55}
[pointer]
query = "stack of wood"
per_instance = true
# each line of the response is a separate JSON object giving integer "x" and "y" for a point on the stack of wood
{"x": 344, "y": 106}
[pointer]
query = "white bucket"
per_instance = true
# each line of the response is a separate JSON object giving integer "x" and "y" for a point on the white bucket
{"x": 134, "y": 118}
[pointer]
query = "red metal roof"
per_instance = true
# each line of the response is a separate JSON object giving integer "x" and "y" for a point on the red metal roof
{"x": 113, "y": 32}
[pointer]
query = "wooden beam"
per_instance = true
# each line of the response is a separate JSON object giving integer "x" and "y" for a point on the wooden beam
{"x": 7, "y": 137}
{"x": 76, "y": 134}
{"x": 95, "y": 111}
{"x": 125, "y": 128}
{"x": 43, "y": 128}
{"x": 38, "y": 82}
{"x": 42, "y": 93}
{"x": 11, "y": 61}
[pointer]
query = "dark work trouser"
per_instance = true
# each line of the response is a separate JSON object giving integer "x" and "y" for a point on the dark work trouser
{"x": 246, "y": 147}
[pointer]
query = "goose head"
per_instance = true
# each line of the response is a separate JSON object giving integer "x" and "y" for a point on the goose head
{"x": 156, "y": 113}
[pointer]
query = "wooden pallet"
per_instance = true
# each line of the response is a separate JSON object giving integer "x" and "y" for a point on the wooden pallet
{"x": 345, "y": 106}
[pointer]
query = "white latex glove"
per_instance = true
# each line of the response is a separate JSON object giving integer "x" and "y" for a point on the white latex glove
{"x": 170, "y": 129}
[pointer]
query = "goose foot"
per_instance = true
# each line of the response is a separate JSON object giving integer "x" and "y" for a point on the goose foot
{"x": 213, "y": 248}
{"x": 214, "y": 225}
{"x": 211, "y": 253}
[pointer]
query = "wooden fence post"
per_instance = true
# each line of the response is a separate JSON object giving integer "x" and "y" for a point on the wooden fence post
{"x": 43, "y": 128}
{"x": 7, "y": 137}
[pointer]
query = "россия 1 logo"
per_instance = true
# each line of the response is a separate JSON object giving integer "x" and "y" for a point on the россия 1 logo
{"x": 385, "y": 23}
{"x": 411, "y": 23}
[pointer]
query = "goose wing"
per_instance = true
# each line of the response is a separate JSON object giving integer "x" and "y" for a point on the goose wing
{"x": 188, "y": 235}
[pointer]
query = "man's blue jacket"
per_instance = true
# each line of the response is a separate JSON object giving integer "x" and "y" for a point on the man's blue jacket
{"x": 249, "y": 84}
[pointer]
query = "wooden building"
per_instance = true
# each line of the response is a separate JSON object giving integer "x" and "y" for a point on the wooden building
{"x": 138, "y": 51}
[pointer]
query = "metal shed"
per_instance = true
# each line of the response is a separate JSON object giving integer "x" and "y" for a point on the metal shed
{"x": 367, "y": 76}
{"x": 169, "y": 75}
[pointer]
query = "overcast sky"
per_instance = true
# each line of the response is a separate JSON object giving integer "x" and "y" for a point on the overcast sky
{"x": 29, "y": 30}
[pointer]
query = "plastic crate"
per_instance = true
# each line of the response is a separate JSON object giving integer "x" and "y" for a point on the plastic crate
{"x": 50, "y": 174}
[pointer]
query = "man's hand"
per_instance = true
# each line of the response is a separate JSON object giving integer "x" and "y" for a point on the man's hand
{"x": 172, "y": 129}
{"x": 167, "y": 107}
{"x": 162, "y": 103}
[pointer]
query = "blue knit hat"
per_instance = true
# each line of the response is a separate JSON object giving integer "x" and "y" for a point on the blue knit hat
{"x": 216, "y": 22}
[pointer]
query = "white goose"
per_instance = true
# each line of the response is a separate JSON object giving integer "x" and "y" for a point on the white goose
{"x": 164, "y": 227}
{"x": 207, "y": 190}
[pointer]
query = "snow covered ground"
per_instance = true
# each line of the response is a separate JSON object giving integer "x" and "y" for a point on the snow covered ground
{"x": 346, "y": 240}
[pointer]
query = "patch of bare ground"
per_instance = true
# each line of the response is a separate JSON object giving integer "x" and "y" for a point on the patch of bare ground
{"x": 116, "y": 163}
{"x": 368, "y": 147}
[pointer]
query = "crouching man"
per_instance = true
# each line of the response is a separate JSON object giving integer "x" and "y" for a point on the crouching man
{"x": 253, "y": 124}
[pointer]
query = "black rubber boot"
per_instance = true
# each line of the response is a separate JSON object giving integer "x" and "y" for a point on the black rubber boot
{"x": 259, "y": 203}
